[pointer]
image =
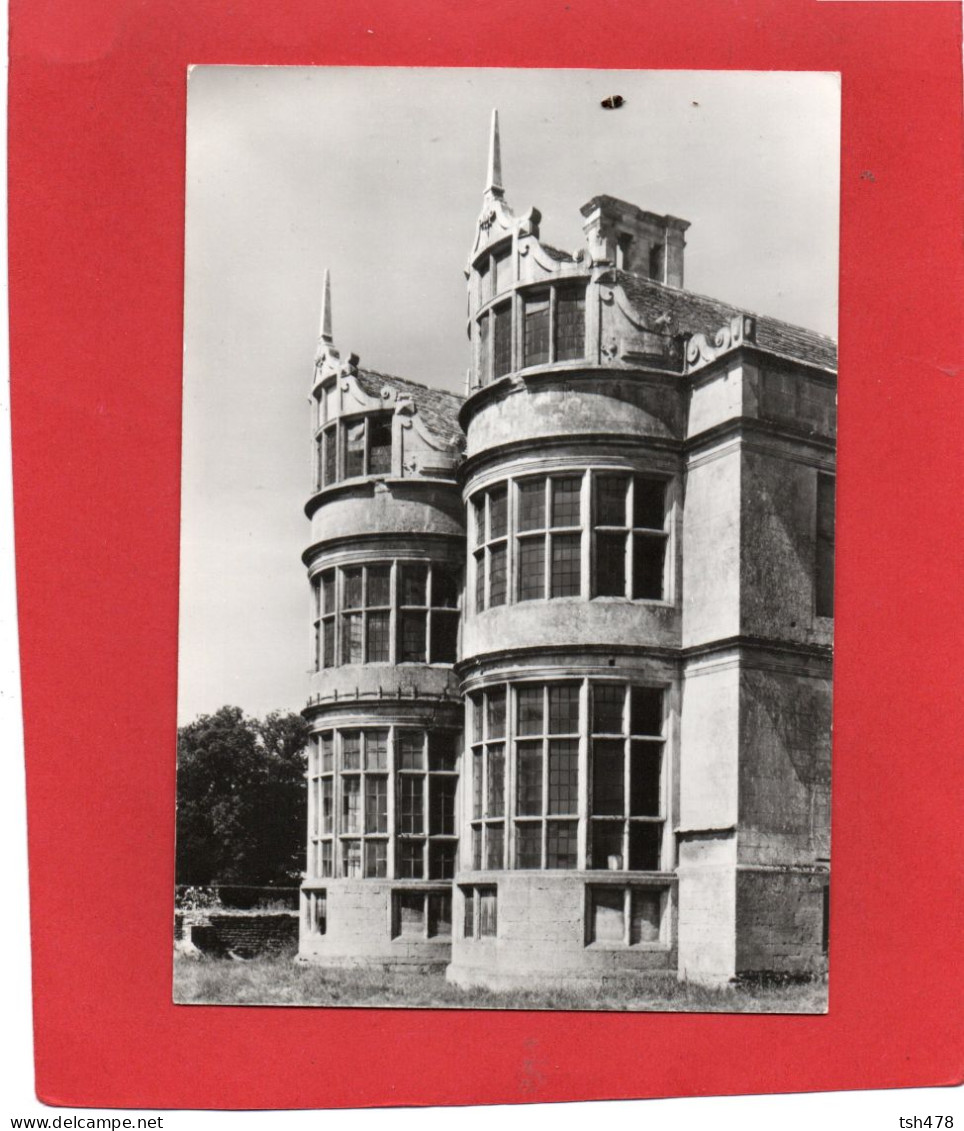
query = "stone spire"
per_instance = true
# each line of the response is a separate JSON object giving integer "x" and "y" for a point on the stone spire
{"x": 324, "y": 330}
{"x": 493, "y": 182}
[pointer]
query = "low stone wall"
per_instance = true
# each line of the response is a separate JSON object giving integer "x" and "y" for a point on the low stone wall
{"x": 242, "y": 934}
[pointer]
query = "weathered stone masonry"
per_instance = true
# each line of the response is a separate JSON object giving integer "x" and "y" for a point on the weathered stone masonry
{"x": 572, "y": 632}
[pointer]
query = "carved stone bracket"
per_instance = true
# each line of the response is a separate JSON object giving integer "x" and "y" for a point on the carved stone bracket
{"x": 700, "y": 351}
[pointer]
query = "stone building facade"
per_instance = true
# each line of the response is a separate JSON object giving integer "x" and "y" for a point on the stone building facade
{"x": 619, "y": 760}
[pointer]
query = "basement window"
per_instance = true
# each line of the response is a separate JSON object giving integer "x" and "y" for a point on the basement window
{"x": 480, "y": 905}
{"x": 316, "y": 910}
{"x": 623, "y": 916}
{"x": 421, "y": 914}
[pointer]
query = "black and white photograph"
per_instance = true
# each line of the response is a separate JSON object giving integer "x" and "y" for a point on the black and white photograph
{"x": 507, "y": 539}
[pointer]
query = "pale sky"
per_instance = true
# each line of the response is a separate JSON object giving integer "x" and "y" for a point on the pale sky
{"x": 377, "y": 174}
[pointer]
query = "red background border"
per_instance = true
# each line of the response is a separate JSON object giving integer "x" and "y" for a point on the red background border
{"x": 96, "y": 202}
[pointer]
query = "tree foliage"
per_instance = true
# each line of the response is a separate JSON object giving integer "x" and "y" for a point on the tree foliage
{"x": 241, "y": 798}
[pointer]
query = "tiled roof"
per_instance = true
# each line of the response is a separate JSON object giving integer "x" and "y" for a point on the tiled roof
{"x": 696, "y": 314}
{"x": 438, "y": 409}
{"x": 556, "y": 254}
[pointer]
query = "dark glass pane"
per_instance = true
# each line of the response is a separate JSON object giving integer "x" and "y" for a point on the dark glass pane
{"x": 480, "y": 581}
{"x": 327, "y": 752}
{"x": 495, "y": 801}
{"x": 376, "y": 858}
{"x": 494, "y": 846}
{"x": 320, "y": 457}
{"x": 529, "y": 710}
{"x": 644, "y": 772}
{"x": 607, "y": 778}
{"x": 566, "y": 580}
{"x": 410, "y": 854}
{"x": 484, "y": 350}
{"x": 378, "y": 637}
{"x": 476, "y": 783}
{"x": 354, "y": 449}
{"x": 610, "y": 565}
{"x": 441, "y": 806}
{"x": 445, "y": 635}
{"x": 532, "y": 504}
{"x": 445, "y": 587}
{"x": 409, "y": 911}
{"x": 644, "y": 838}
{"x": 350, "y": 805}
{"x": 379, "y": 445}
{"x": 478, "y": 512}
{"x": 409, "y": 749}
{"x": 412, "y": 637}
{"x": 488, "y": 912}
{"x": 376, "y": 749}
{"x": 528, "y": 844}
{"x": 646, "y": 710}
{"x": 352, "y": 638}
{"x": 477, "y": 706}
{"x": 529, "y": 783}
{"x": 327, "y": 859}
{"x": 608, "y": 915}
{"x": 536, "y": 329}
{"x": 331, "y": 456}
{"x": 411, "y": 805}
{"x": 441, "y": 860}
{"x": 328, "y": 643}
{"x": 497, "y": 576}
{"x": 611, "y": 500}
{"x": 498, "y": 512}
{"x": 353, "y": 588}
{"x": 644, "y": 916}
{"x": 606, "y": 848}
{"x": 502, "y": 344}
{"x": 566, "y": 501}
{"x": 477, "y": 847}
{"x": 607, "y": 708}
{"x": 327, "y": 806}
{"x": 561, "y": 844}
{"x": 564, "y": 708}
{"x": 443, "y": 750}
{"x": 564, "y": 775}
{"x": 495, "y": 714}
{"x": 328, "y": 591}
{"x": 468, "y": 909}
{"x": 649, "y": 550}
{"x": 649, "y": 503}
{"x": 351, "y": 859}
{"x": 379, "y": 582}
{"x": 570, "y": 324}
{"x": 351, "y": 750}
{"x": 412, "y": 583}
{"x": 532, "y": 568}
{"x": 440, "y": 914}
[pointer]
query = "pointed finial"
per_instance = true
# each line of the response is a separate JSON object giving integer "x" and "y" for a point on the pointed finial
{"x": 493, "y": 182}
{"x": 325, "y": 330}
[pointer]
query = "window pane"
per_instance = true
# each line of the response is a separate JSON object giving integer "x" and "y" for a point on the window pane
{"x": 477, "y": 847}
{"x": 476, "y": 783}
{"x": 410, "y": 908}
{"x": 412, "y": 581}
{"x": 445, "y": 635}
{"x": 495, "y": 800}
{"x": 532, "y": 504}
{"x": 350, "y": 805}
{"x": 532, "y": 568}
{"x": 570, "y": 324}
{"x": 376, "y": 859}
{"x": 498, "y": 512}
{"x": 564, "y": 775}
{"x": 443, "y": 750}
{"x": 488, "y": 912}
{"x": 529, "y": 784}
{"x": 480, "y": 581}
{"x": 478, "y": 512}
{"x": 607, "y": 708}
{"x": 327, "y": 810}
{"x": 351, "y": 750}
{"x": 649, "y": 551}
{"x": 376, "y": 804}
{"x": 561, "y": 844}
{"x": 564, "y": 708}
{"x": 376, "y": 749}
{"x": 610, "y": 565}
{"x": 528, "y": 844}
{"x": 331, "y": 457}
{"x": 502, "y": 344}
{"x": 607, "y": 777}
{"x": 644, "y": 774}
{"x": 411, "y": 807}
{"x": 441, "y": 860}
{"x": 497, "y": 576}
{"x": 536, "y": 329}
{"x": 441, "y": 806}
{"x": 379, "y": 586}
{"x": 644, "y": 916}
{"x": 377, "y": 638}
{"x": 412, "y": 642}
{"x": 611, "y": 500}
{"x": 327, "y": 864}
{"x": 445, "y": 587}
{"x": 409, "y": 854}
{"x": 566, "y": 504}
{"x": 440, "y": 914}
{"x": 353, "y": 588}
{"x": 328, "y": 591}
{"x": 409, "y": 746}
{"x": 646, "y": 710}
{"x": 352, "y": 638}
{"x": 529, "y": 710}
{"x": 484, "y": 350}
{"x": 351, "y": 858}
{"x": 495, "y": 714}
{"x": 649, "y": 503}
{"x": 355, "y": 449}
{"x": 608, "y": 923}
{"x": 503, "y": 272}
{"x": 468, "y": 908}
{"x": 379, "y": 445}
{"x": 644, "y": 838}
{"x": 566, "y": 567}
{"x": 494, "y": 850}
{"x": 327, "y": 752}
{"x": 607, "y": 845}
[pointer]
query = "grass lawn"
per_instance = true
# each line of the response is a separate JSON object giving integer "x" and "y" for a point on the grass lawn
{"x": 281, "y": 981}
